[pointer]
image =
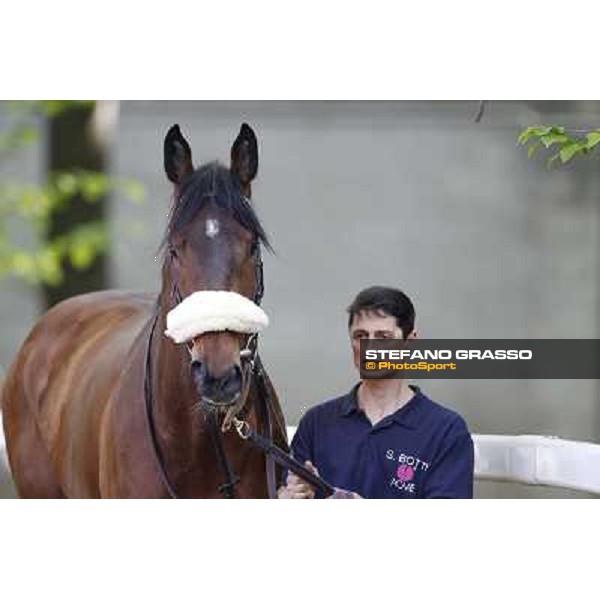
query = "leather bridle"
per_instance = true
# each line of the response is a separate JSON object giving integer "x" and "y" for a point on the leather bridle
{"x": 252, "y": 371}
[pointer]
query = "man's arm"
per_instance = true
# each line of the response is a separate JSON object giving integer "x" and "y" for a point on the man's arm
{"x": 451, "y": 475}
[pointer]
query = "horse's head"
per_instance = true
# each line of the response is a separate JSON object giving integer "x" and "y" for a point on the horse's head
{"x": 213, "y": 245}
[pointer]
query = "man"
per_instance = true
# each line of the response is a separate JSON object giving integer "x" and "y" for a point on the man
{"x": 385, "y": 438}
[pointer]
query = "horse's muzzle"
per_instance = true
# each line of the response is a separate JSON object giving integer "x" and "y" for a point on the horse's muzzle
{"x": 217, "y": 391}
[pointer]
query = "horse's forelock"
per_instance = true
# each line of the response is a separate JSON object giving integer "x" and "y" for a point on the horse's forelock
{"x": 212, "y": 182}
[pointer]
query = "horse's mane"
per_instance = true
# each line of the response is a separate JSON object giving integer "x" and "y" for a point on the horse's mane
{"x": 212, "y": 182}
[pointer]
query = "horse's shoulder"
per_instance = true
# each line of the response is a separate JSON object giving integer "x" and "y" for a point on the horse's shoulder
{"x": 108, "y": 320}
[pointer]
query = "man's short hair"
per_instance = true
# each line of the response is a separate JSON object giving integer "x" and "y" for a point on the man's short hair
{"x": 389, "y": 301}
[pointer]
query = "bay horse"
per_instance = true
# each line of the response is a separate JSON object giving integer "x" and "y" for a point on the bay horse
{"x": 99, "y": 403}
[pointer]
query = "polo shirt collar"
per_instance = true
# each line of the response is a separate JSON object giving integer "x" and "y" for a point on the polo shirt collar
{"x": 408, "y": 415}
{"x": 349, "y": 402}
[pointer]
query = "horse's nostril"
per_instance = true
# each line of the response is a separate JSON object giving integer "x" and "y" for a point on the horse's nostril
{"x": 232, "y": 382}
{"x": 219, "y": 390}
{"x": 198, "y": 373}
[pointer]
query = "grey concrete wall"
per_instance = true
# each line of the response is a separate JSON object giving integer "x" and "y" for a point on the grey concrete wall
{"x": 410, "y": 194}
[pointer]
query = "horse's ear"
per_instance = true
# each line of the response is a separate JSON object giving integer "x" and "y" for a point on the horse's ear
{"x": 178, "y": 155}
{"x": 244, "y": 157}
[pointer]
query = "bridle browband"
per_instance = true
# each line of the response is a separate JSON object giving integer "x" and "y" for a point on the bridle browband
{"x": 252, "y": 371}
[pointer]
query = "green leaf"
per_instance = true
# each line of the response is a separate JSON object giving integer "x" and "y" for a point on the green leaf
{"x": 570, "y": 150}
{"x": 23, "y": 265}
{"x": 544, "y": 130}
{"x": 50, "y": 270}
{"x": 539, "y": 131}
{"x": 66, "y": 183}
{"x": 593, "y": 138}
{"x": 81, "y": 255}
{"x": 525, "y": 135}
{"x": 553, "y": 138}
{"x": 93, "y": 186}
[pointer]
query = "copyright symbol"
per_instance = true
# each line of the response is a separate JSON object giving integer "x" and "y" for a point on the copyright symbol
{"x": 370, "y": 366}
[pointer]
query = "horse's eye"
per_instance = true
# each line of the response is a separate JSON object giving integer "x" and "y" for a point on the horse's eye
{"x": 173, "y": 252}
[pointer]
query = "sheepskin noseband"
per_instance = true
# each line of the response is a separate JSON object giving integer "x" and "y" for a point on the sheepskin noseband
{"x": 206, "y": 311}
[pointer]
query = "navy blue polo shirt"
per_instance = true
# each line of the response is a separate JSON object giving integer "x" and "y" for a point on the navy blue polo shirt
{"x": 423, "y": 450}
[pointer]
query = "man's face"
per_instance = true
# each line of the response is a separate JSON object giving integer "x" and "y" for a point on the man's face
{"x": 371, "y": 325}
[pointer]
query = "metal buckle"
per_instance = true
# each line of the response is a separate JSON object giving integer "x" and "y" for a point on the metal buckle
{"x": 242, "y": 428}
{"x": 249, "y": 353}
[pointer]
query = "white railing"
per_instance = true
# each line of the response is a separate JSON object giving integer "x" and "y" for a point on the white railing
{"x": 535, "y": 460}
{"x": 538, "y": 460}
{"x": 529, "y": 459}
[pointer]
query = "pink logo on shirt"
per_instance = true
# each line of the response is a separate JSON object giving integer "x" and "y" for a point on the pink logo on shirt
{"x": 405, "y": 473}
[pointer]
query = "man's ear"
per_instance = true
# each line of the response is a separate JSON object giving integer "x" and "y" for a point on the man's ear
{"x": 178, "y": 156}
{"x": 413, "y": 335}
{"x": 244, "y": 158}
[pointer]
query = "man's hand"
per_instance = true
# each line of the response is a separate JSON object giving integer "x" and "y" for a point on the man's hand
{"x": 297, "y": 488}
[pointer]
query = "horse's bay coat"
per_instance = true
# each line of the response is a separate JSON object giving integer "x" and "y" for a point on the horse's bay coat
{"x": 73, "y": 405}
{"x": 73, "y": 400}
{"x": 58, "y": 392}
